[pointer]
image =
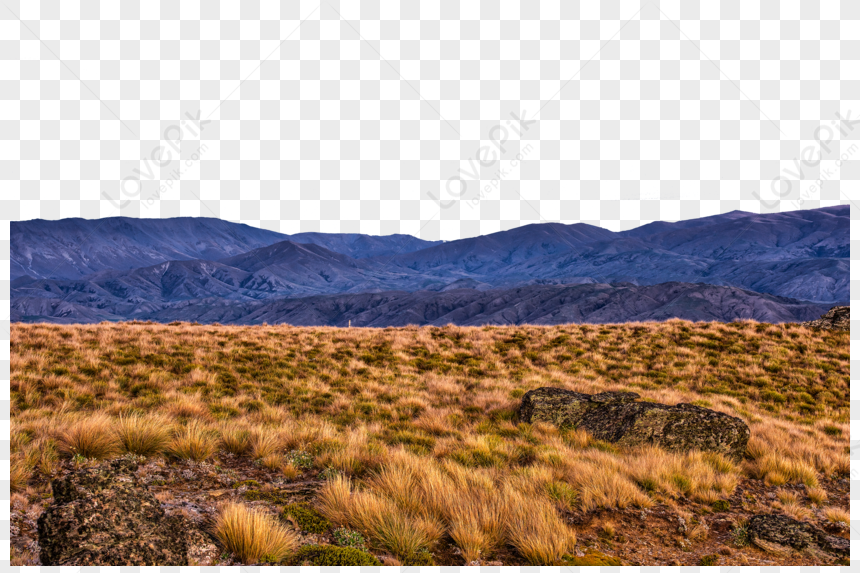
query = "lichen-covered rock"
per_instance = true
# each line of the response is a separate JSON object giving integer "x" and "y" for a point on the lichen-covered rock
{"x": 104, "y": 516}
{"x": 837, "y": 318}
{"x": 619, "y": 418}
{"x": 785, "y": 532}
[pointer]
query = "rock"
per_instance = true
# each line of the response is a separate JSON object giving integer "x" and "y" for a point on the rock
{"x": 777, "y": 533}
{"x": 837, "y": 318}
{"x": 617, "y": 417}
{"x": 105, "y": 516}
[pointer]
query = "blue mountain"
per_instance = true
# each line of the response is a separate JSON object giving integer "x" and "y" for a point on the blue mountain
{"x": 110, "y": 269}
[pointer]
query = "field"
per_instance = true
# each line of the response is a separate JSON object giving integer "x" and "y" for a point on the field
{"x": 406, "y": 441}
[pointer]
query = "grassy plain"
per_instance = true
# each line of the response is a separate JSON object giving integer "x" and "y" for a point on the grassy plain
{"x": 414, "y": 434}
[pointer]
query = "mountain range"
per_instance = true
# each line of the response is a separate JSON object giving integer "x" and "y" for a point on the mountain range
{"x": 771, "y": 267}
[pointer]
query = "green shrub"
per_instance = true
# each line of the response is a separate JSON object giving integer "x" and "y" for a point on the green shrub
{"x": 246, "y": 483}
{"x": 348, "y": 538}
{"x": 591, "y": 558}
{"x": 721, "y": 505}
{"x": 300, "y": 459}
{"x": 709, "y": 560}
{"x": 833, "y": 430}
{"x": 741, "y": 535}
{"x": 273, "y": 497}
{"x": 419, "y": 558}
{"x": 307, "y": 518}
{"x": 333, "y": 556}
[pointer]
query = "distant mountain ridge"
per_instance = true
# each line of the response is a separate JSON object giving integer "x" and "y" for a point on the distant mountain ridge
{"x": 534, "y": 304}
{"x": 74, "y": 248}
{"x": 123, "y": 268}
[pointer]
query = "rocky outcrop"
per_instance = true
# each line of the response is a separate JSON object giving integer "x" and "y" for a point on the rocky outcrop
{"x": 105, "y": 516}
{"x": 619, "y": 418}
{"x": 837, "y": 318}
{"x": 780, "y": 534}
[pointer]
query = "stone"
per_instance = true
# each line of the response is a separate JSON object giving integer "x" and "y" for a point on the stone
{"x": 777, "y": 533}
{"x": 837, "y": 318}
{"x": 105, "y": 516}
{"x": 619, "y": 418}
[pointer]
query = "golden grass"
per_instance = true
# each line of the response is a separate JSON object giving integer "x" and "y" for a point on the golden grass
{"x": 535, "y": 528}
{"x": 235, "y": 440}
{"x": 817, "y": 495}
{"x": 143, "y": 435}
{"x": 420, "y": 424}
{"x": 91, "y": 437}
{"x": 252, "y": 535}
{"x": 837, "y": 515}
{"x": 194, "y": 441}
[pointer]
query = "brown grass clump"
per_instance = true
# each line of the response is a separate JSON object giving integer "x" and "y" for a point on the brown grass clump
{"x": 253, "y": 536}
{"x": 19, "y": 473}
{"x": 601, "y": 484}
{"x": 699, "y": 476}
{"x": 536, "y": 529}
{"x": 91, "y": 438}
{"x": 236, "y": 440}
{"x": 838, "y": 516}
{"x": 817, "y": 495}
{"x": 194, "y": 441}
{"x": 334, "y": 499}
{"x": 264, "y": 443}
{"x": 143, "y": 435}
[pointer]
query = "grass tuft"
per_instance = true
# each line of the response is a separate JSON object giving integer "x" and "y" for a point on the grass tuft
{"x": 91, "y": 438}
{"x": 253, "y": 536}
{"x": 194, "y": 441}
{"x": 143, "y": 435}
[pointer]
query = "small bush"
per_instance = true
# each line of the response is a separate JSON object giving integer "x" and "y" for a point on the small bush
{"x": 832, "y": 430}
{"x": 253, "y": 536}
{"x": 274, "y": 497}
{"x": 348, "y": 538}
{"x": 91, "y": 438}
{"x": 246, "y": 483}
{"x": 709, "y": 560}
{"x": 329, "y": 555}
{"x": 740, "y": 533}
{"x": 721, "y": 505}
{"x": 301, "y": 460}
{"x": 306, "y": 518}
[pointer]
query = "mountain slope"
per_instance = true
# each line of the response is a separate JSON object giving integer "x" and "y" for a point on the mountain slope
{"x": 538, "y": 304}
{"x": 73, "y": 248}
{"x": 360, "y": 246}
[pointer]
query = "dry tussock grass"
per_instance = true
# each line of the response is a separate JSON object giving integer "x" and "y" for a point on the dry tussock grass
{"x": 252, "y": 535}
{"x": 420, "y": 424}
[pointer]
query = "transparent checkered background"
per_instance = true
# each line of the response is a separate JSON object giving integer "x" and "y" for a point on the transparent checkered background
{"x": 440, "y": 120}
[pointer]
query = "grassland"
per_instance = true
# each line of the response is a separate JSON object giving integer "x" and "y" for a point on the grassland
{"x": 412, "y": 436}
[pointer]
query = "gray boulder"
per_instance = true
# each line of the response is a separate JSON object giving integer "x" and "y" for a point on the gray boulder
{"x": 619, "y": 418}
{"x": 778, "y": 533}
{"x": 837, "y": 318}
{"x": 104, "y": 516}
